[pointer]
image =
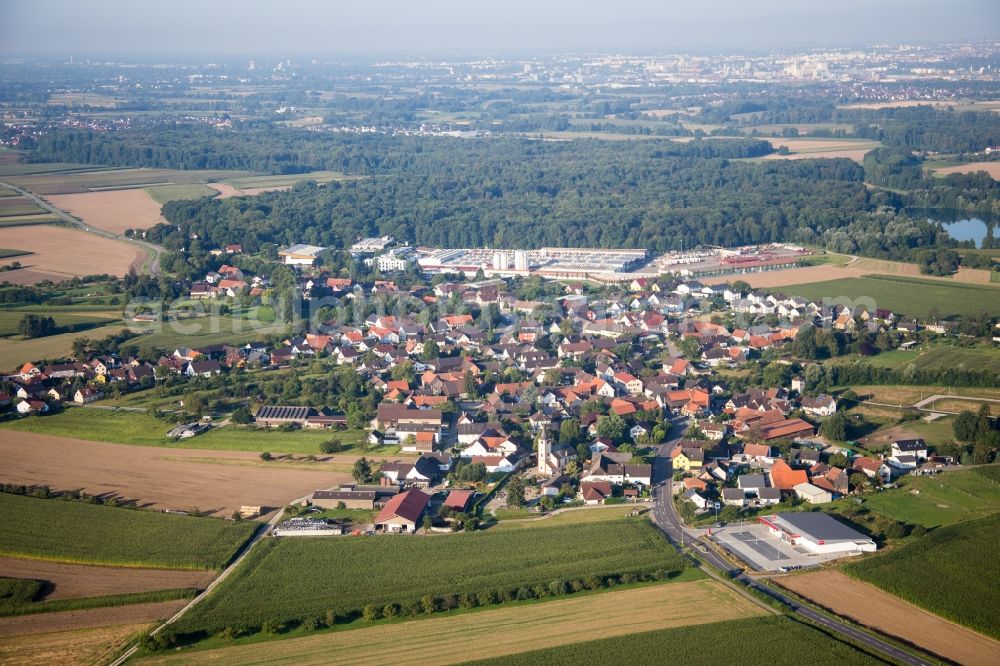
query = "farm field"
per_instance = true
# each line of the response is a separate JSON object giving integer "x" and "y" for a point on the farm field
{"x": 92, "y": 618}
{"x": 75, "y": 180}
{"x": 940, "y": 500}
{"x": 940, "y": 356}
{"x": 143, "y": 429}
{"x": 992, "y": 168}
{"x": 15, "y": 352}
{"x": 76, "y": 532}
{"x": 803, "y": 148}
{"x": 17, "y": 205}
{"x": 164, "y": 193}
{"x": 788, "y": 277}
{"x": 570, "y": 517}
{"x": 499, "y": 631}
{"x": 27, "y": 220}
{"x": 157, "y": 478}
{"x": 754, "y": 638}
{"x": 72, "y": 648}
{"x": 72, "y": 321}
{"x": 113, "y": 210}
{"x": 871, "y": 607}
{"x": 912, "y": 296}
{"x": 74, "y": 581}
{"x": 933, "y": 572}
{"x": 907, "y": 395}
{"x": 956, "y": 405}
{"x": 59, "y": 253}
{"x": 274, "y": 581}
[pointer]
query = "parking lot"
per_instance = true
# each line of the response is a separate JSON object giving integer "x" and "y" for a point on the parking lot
{"x": 754, "y": 544}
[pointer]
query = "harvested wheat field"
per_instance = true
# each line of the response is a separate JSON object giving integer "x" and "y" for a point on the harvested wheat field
{"x": 59, "y": 253}
{"x": 73, "y": 581}
{"x": 467, "y": 636}
{"x": 992, "y": 168}
{"x": 153, "y": 476}
{"x": 114, "y": 210}
{"x": 790, "y": 276}
{"x": 803, "y": 149}
{"x": 870, "y": 606}
{"x": 44, "y": 623}
{"x": 69, "y": 648}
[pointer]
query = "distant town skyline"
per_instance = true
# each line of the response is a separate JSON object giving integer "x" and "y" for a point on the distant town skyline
{"x": 184, "y": 28}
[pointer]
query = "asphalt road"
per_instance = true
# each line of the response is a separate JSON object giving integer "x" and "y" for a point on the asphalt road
{"x": 666, "y": 518}
{"x": 150, "y": 265}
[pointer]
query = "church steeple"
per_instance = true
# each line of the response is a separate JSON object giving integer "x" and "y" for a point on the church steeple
{"x": 544, "y": 450}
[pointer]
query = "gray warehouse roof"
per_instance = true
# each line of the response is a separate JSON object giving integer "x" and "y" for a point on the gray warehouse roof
{"x": 817, "y": 526}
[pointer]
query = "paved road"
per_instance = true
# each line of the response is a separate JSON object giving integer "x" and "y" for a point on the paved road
{"x": 666, "y": 518}
{"x": 150, "y": 265}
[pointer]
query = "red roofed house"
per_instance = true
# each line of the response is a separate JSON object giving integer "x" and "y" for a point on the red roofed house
{"x": 402, "y": 512}
{"x": 595, "y": 492}
{"x": 784, "y": 477}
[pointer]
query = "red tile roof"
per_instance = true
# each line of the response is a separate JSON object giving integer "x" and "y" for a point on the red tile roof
{"x": 408, "y": 506}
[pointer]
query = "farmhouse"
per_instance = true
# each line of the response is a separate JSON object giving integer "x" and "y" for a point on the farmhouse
{"x": 300, "y": 254}
{"x": 909, "y": 447}
{"x": 274, "y": 415}
{"x": 402, "y": 512}
{"x": 817, "y": 532}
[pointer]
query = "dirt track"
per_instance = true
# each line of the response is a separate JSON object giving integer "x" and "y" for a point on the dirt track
{"x": 155, "y": 477}
{"x": 114, "y": 210}
{"x": 69, "y": 581}
{"x": 41, "y": 623}
{"x": 874, "y": 608}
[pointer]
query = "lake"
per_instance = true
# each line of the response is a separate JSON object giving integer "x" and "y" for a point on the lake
{"x": 960, "y": 225}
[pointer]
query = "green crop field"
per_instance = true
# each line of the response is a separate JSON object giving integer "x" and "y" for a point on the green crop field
{"x": 66, "y": 322}
{"x": 939, "y": 500}
{"x": 146, "y": 430}
{"x": 7, "y": 254}
{"x": 27, "y": 220}
{"x": 286, "y": 579}
{"x": 911, "y": 296}
{"x": 948, "y": 572}
{"x": 84, "y": 603}
{"x": 164, "y": 193}
{"x": 67, "y": 531}
{"x": 754, "y": 640}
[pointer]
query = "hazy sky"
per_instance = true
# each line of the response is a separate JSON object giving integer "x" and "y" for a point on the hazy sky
{"x": 377, "y": 28}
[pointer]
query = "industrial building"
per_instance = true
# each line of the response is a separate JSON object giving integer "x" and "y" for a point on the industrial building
{"x": 547, "y": 261}
{"x": 817, "y": 532}
{"x": 300, "y": 254}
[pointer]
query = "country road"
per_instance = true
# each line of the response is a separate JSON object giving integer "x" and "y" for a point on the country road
{"x": 150, "y": 265}
{"x": 666, "y": 518}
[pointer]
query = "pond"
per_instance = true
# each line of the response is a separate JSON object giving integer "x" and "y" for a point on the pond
{"x": 960, "y": 225}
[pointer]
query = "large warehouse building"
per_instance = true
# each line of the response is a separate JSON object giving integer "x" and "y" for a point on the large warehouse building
{"x": 817, "y": 532}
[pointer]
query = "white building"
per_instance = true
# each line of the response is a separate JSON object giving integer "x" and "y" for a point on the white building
{"x": 818, "y": 533}
{"x": 501, "y": 261}
{"x": 807, "y": 492}
{"x": 520, "y": 260}
{"x": 300, "y": 254}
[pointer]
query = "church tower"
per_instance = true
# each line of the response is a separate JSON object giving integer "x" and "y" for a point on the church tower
{"x": 544, "y": 449}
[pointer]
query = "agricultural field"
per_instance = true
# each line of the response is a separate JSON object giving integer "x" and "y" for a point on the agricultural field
{"x": 939, "y": 500}
{"x": 14, "y": 352}
{"x": 216, "y": 483}
{"x": 165, "y": 193}
{"x": 80, "y": 581}
{"x": 944, "y": 572}
{"x": 804, "y": 148}
{"x": 27, "y": 220}
{"x": 87, "y": 618}
{"x": 912, "y": 296}
{"x": 992, "y": 168}
{"x": 59, "y": 253}
{"x": 568, "y": 517}
{"x": 66, "y": 322}
{"x": 71, "y": 648}
{"x": 6, "y": 253}
{"x": 112, "y": 210}
{"x": 49, "y": 179}
{"x": 871, "y": 607}
{"x": 940, "y": 355}
{"x": 504, "y": 630}
{"x": 753, "y": 638}
{"x": 127, "y": 427}
{"x": 958, "y": 405}
{"x": 76, "y": 532}
{"x": 18, "y": 206}
{"x": 261, "y": 183}
{"x": 907, "y": 395}
{"x": 277, "y": 581}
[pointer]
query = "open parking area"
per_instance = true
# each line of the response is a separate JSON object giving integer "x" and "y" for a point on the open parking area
{"x": 755, "y": 545}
